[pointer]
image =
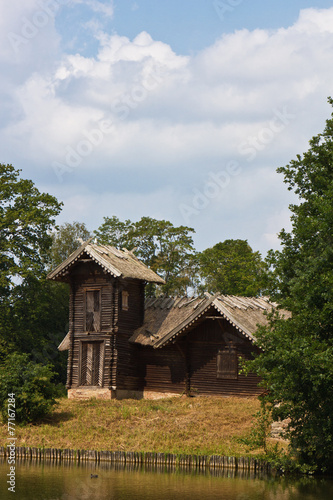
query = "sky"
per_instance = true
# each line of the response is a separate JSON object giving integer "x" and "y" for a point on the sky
{"x": 174, "y": 110}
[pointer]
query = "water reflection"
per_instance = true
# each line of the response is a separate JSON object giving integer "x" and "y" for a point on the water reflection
{"x": 68, "y": 481}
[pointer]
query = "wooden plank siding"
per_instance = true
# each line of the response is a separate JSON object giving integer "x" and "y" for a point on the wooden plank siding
{"x": 129, "y": 319}
{"x": 90, "y": 278}
{"x": 190, "y": 364}
{"x": 116, "y": 326}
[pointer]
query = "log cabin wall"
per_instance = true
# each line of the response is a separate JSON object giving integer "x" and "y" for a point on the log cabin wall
{"x": 130, "y": 317}
{"x": 162, "y": 370}
{"x": 190, "y": 364}
{"x": 204, "y": 344}
{"x": 91, "y": 323}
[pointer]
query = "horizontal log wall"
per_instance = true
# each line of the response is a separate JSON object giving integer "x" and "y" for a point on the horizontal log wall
{"x": 163, "y": 369}
{"x": 203, "y": 345}
{"x": 191, "y": 363}
{"x": 129, "y": 320}
{"x": 141, "y": 458}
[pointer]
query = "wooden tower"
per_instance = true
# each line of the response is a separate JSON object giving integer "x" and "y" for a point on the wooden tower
{"x": 106, "y": 307}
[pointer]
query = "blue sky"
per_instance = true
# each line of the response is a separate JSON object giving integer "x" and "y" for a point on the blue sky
{"x": 175, "y": 110}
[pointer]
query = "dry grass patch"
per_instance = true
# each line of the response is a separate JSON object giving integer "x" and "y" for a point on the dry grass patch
{"x": 201, "y": 425}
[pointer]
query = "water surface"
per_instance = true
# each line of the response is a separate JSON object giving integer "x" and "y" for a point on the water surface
{"x": 63, "y": 481}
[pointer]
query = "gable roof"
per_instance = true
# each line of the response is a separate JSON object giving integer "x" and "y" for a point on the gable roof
{"x": 167, "y": 318}
{"x": 118, "y": 263}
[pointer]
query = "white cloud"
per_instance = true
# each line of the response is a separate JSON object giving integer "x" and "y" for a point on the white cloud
{"x": 100, "y": 7}
{"x": 175, "y": 119}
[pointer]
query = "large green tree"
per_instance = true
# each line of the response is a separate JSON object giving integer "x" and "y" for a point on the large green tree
{"x": 231, "y": 267}
{"x": 166, "y": 249}
{"x": 297, "y": 359}
{"x": 31, "y": 309}
{"x": 26, "y": 218}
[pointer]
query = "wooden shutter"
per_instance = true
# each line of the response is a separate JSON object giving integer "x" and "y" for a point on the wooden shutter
{"x": 93, "y": 311}
{"x": 227, "y": 363}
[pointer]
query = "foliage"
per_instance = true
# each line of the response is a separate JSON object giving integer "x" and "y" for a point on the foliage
{"x": 166, "y": 249}
{"x": 65, "y": 240}
{"x": 116, "y": 233}
{"x": 261, "y": 429}
{"x": 231, "y": 267}
{"x": 31, "y": 387}
{"x": 297, "y": 359}
{"x": 26, "y": 216}
{"x": 32, "y": 310}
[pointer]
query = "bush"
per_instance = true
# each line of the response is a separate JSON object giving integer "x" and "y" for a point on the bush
{"x": 30, "y": 385}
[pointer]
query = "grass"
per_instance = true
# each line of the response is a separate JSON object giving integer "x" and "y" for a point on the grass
{"x": 202, "y": 425}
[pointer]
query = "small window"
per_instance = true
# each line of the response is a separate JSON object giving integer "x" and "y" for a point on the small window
{"x": 124, "y": 300}
{"x": 227, "y": 363}
{"x": 93, "y": 310}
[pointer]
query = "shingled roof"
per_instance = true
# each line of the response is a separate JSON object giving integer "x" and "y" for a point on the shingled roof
{"x": 118, "y": 263}
{"x": 167, "y": 318}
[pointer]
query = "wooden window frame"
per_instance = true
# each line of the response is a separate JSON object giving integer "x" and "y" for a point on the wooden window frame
{"x": 124, "y": 300}
{"x": 92, "y": 289}
{"x": 227, "y": 363}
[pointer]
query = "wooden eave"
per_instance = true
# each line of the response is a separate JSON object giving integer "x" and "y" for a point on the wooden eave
{"x": 243, "y": 313}
{"x": 108, "y": 258}
{"x": 184, "y": 325}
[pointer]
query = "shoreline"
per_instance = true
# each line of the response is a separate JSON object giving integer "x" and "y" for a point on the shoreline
{"x": 57, "y": 455}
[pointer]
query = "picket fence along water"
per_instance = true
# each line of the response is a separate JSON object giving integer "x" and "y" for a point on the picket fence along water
{"x": 141, "y": 458}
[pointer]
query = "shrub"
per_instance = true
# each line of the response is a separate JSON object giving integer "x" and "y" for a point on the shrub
{"x": 31, "y": 387}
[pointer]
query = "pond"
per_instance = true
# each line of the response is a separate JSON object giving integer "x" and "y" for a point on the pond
{"x": 63, "y": 481}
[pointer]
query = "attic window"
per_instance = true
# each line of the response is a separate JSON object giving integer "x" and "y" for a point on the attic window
{"x": 227, "y": 363}
{"x": 124, "y": 300}
{"x": 93, "y": 310}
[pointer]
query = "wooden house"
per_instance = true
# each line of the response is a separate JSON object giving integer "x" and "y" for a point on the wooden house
{"x": 106, "y": 307}
{"x": 120, "y": 345}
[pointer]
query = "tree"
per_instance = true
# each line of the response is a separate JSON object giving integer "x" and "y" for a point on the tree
{"x": 231, "y": 267}
{"x": 114, "y": 232}
{"x": 27, "y": 385}
{"x": 297, "y": 359}
{"x": 26, "y": 217}
{"x": 166, "y": 249}
{"x": 65, "y": 240}
{"x": 30, "y": 307}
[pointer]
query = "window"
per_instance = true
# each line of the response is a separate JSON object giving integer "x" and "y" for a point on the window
{"x": 124, "y": 300}
{"x": 93, "y": 311}
{"x": 91, "y": 372}
{"x": 227, "y": 363}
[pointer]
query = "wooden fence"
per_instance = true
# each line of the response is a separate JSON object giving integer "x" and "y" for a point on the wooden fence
{"x": 140, "y": 458}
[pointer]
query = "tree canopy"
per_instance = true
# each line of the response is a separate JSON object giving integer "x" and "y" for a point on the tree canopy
{"x": 26, "y": 218}
{"x": 166, "y": 249}
{"x": 297, "y": 359}
{"x": 31, "y": 309}
{"x": 231, "y": 267}
{"x": 65, "y": 240}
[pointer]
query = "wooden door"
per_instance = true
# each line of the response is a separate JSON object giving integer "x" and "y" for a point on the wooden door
{"x": 92, "y": 363}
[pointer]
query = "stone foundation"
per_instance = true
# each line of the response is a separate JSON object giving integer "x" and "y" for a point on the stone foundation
{"x": 108, "y": 394}
{"x": 159, "y": 395}
{"x": 91, "y": 392}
